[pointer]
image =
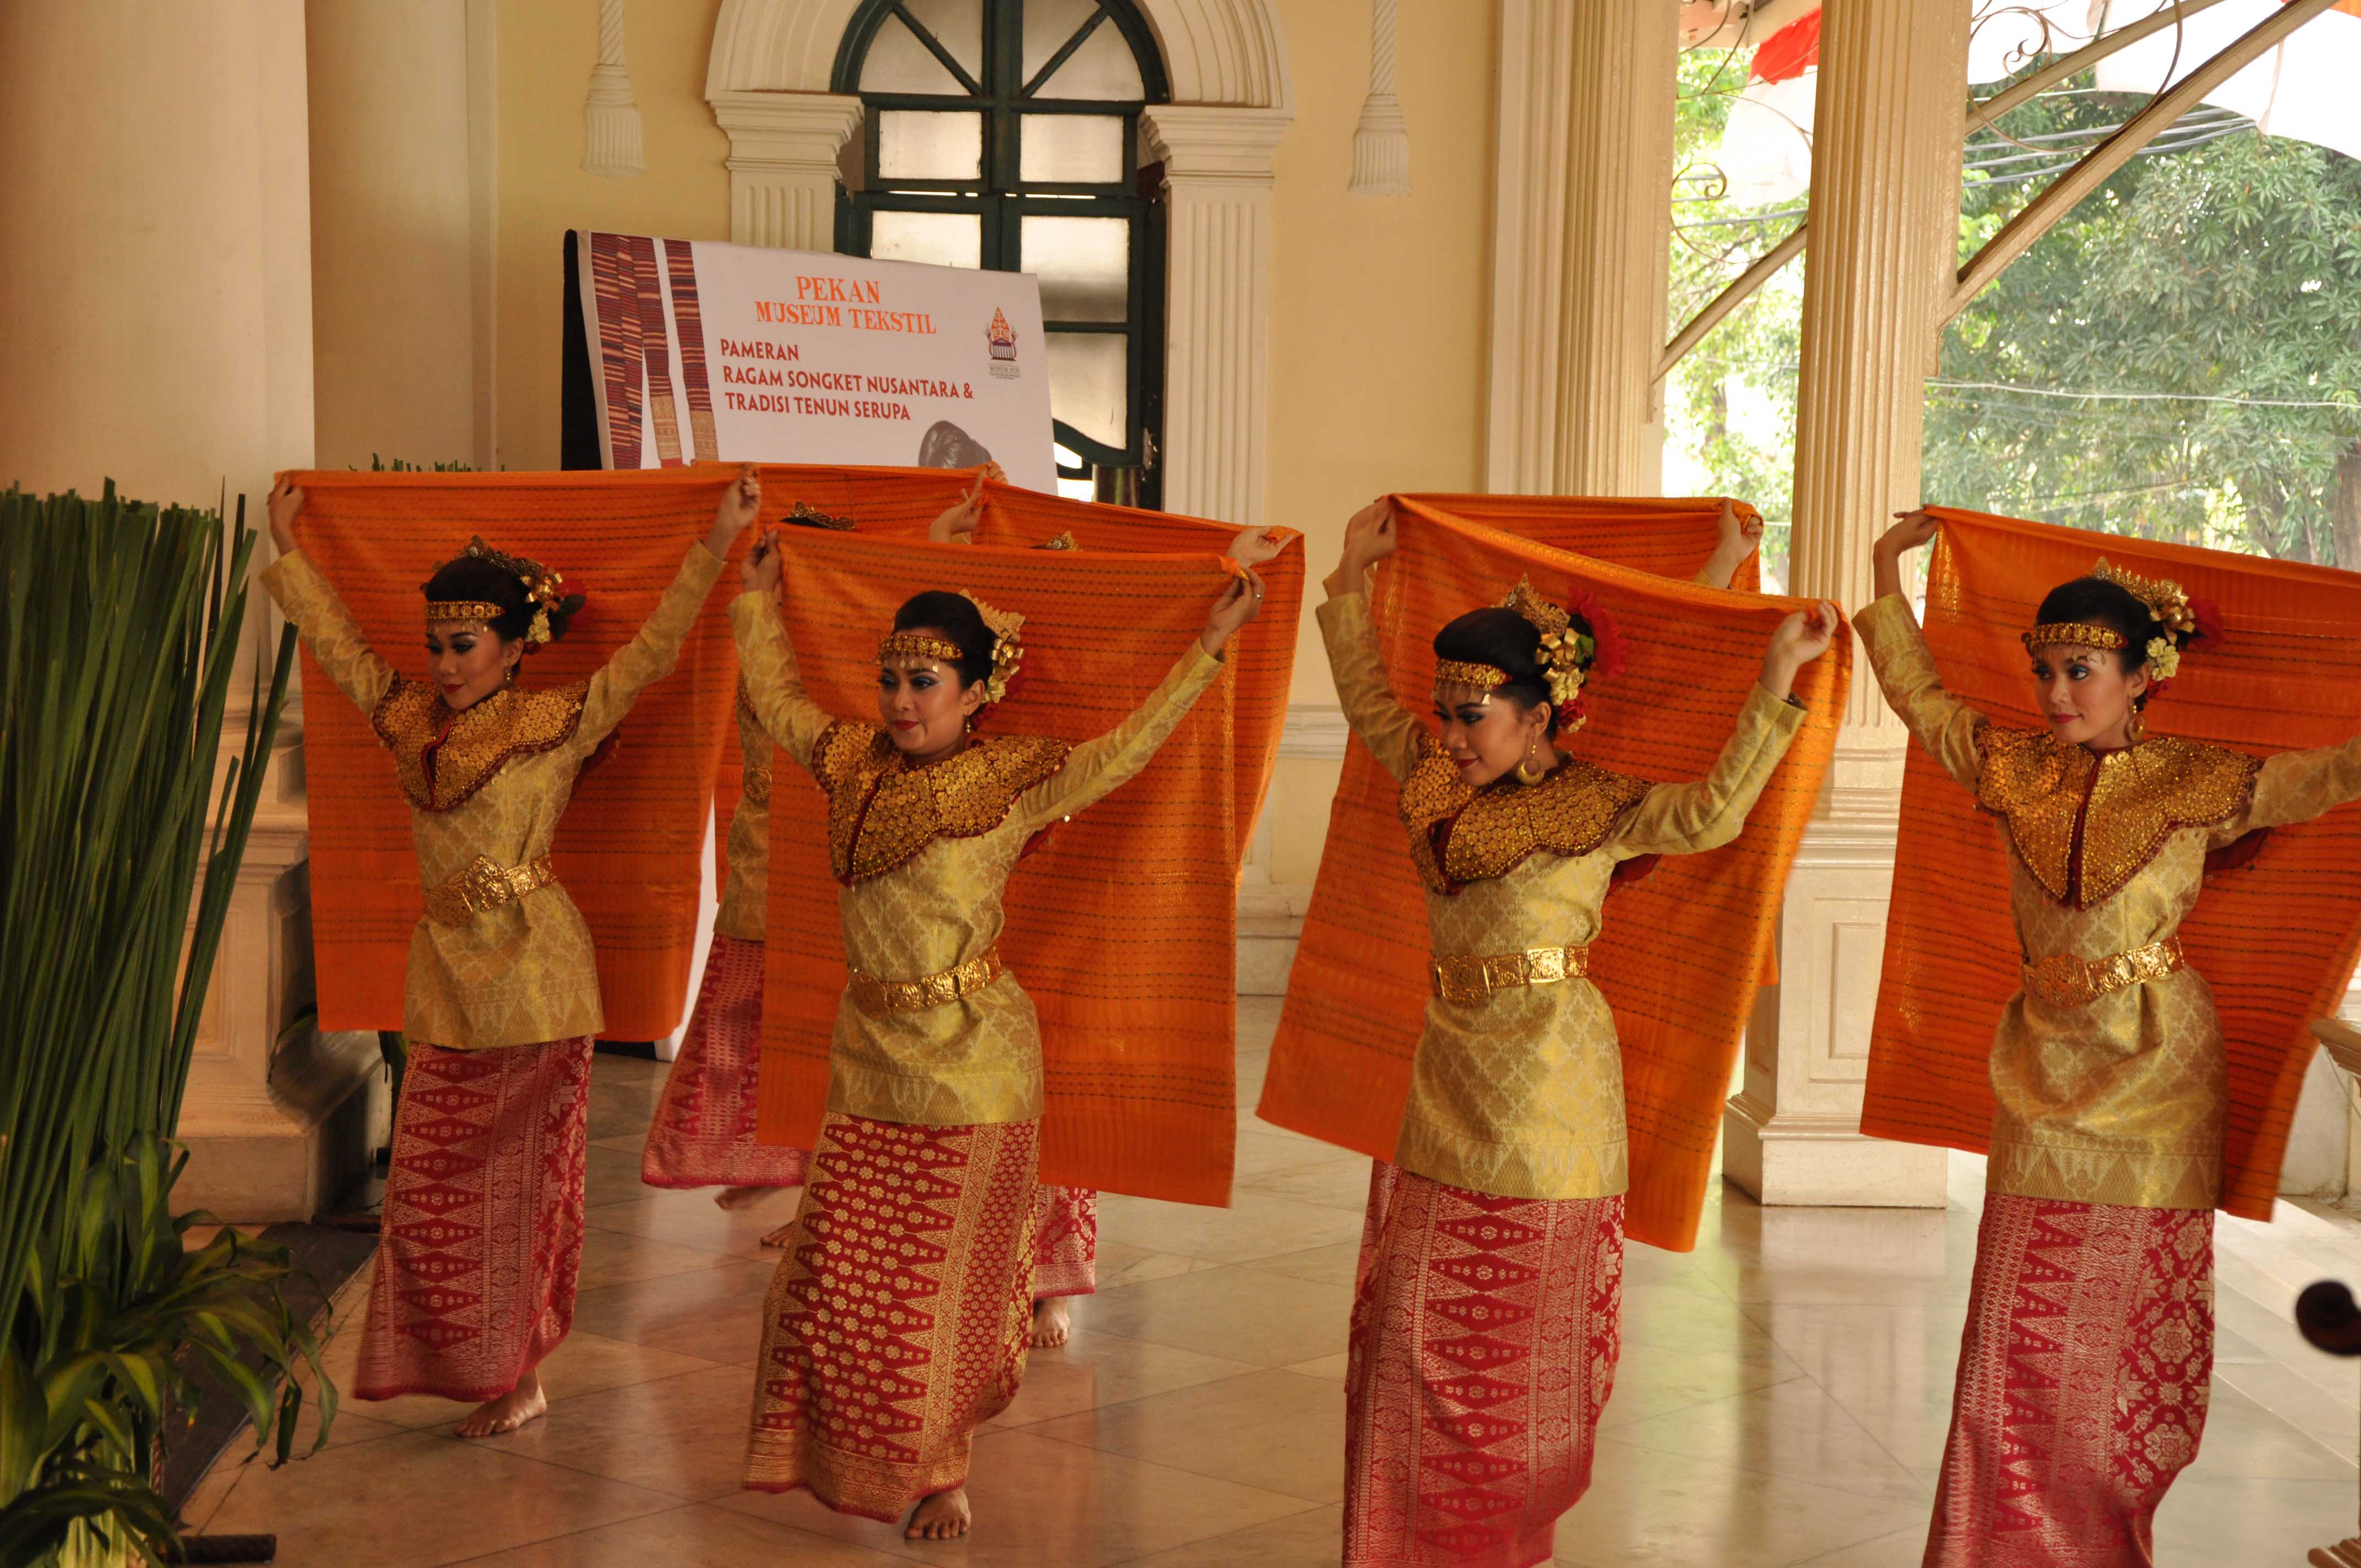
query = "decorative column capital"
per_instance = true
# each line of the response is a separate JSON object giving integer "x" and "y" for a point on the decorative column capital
{"x": 803, "y": 131}
{"x": 1213, "y": 143}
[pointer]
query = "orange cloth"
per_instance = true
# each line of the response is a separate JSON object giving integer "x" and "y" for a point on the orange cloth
{"x": 1121, "y": 926}
{"x": 2277, "y": 938}
{"x": 628, "y": 850}
{"x": 1682, "y": 951}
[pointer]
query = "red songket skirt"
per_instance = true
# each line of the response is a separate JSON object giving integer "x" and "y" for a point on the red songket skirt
{"x": 1065, "y": 1242}
{"x": 1484, "y": 1337}
{"x": 898, "y": 1321}
{"x": 703, "y": 1135}
{"x": 482, "y": 1233}
{"x": 2083, "y": 1380}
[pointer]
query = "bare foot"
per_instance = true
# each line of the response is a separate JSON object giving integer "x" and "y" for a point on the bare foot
{"x": 781, "y": 1236}
{"x": 942, "y": 1517}
{"x": 1052, "y": 1321}
{"x": 739, "y": 1197}
{"x": 523, "y": 1403}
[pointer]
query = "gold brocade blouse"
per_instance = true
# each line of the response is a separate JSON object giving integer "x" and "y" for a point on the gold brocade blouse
{"x": 2122, "y": 1100}
{"x": 490, "y": 782}
{"x": 1521, "y": 1095}
{"x": 746, "y": 891}
{"x": 923, "y": 855}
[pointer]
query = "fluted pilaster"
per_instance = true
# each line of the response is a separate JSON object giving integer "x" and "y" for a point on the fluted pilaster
{"x": 1618, "y": 220}
{"x": 783, "y": 164}
{"x": 1217, "y": 177}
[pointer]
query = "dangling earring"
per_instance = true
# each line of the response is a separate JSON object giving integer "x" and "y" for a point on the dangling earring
{"x": 1529, "y": 772}
{"x": 2135, "y": 727}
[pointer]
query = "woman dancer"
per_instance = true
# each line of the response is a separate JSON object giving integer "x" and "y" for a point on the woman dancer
{"x": 482, "y": 1237}
{"x": 703, "y": 1133}
{"x": 1484, "y": 1319}
{"x": 898, "y": 1321}
{"x": 2089, "y": 1350}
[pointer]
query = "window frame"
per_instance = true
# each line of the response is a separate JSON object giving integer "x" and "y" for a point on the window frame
{"x": 1001, "y": 198}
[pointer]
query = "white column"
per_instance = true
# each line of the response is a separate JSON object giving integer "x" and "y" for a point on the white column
{"x": 1885, "y": 164}
{"x": 1218, "y": 174}
{"x": 1582, "y": 193}
{"x": 783, "y": 152}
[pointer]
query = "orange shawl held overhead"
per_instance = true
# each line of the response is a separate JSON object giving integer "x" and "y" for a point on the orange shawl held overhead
{"x": 2277, "y": 937}
{"x": 628, "y": 850}
{"x": 1681, "y": 951}
{"x": 1121, "y": 926}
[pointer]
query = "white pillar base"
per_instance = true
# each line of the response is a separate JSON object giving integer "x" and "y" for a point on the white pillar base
{"x": 1793, "y": 1135}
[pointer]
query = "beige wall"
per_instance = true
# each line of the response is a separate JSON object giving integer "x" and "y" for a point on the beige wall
{"x": 154, "y": 217}
{"x": 547, "y": 51}
{"x": 393, "y": 242}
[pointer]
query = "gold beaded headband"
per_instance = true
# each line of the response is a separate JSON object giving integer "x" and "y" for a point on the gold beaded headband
{"x": 440, "y": 611}
{"x": 917, "y": 645}
{"x": 1461, "y": 673}
{"x": 2074, "y": 635}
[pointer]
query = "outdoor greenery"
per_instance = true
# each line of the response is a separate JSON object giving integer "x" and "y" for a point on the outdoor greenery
{"x": 2178, "y": 358}
{"x": 119, "y": 631}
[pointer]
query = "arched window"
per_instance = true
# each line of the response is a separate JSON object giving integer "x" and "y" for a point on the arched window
{"x": 1004, "y": 134}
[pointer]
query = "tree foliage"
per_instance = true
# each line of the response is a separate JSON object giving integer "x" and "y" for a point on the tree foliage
{"x": 2179, "y": 358}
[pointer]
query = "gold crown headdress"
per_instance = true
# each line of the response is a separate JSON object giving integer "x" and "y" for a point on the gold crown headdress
{"x": 1007, "y": 647}
{"x": 918, "y": 645}
{"x": 1567, "y": 654}
{"x": 2167, "y": 602}
{"x": 542, "y": 590}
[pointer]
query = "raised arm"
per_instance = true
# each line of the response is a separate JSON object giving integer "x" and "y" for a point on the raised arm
{"x": 1388, "y": 729}
{"x": 1948, "y": 728}
{"x": 1106, "y": 763}
{"x": 326, "y": 627}
{"x": 1741, "y": 535}
{"x": 769, "y": 676}
{"x": 1686, "y": 819}
{"x": 653, "y": 650}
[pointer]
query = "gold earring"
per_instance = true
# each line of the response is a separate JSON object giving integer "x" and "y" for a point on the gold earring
{"x": 1529, "y": 772}
{"x": 2135, "y": 727}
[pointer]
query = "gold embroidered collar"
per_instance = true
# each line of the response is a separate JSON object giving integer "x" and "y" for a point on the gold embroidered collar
{"x": 474, "y": 743}
{"x": 1460, "y": 834}
{"x": 881, "y": 812}
{"x": 2083, "y": 826}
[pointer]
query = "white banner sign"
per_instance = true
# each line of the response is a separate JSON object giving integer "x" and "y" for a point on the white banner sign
{"x": 696, "y": 351}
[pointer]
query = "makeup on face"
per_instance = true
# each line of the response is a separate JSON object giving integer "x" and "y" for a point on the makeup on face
{"x": 469, "y": 662}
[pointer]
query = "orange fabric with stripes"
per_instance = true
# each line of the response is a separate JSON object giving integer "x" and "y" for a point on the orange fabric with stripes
{"x": 628, "y": 850}
{"x": 1682, "y": 951}
{"x": 1121, "y": 926}
{"x": 2277, "y": 938}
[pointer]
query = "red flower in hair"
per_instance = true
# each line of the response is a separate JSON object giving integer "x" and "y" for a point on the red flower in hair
{"x": 1606, "y": 637}
{"x": 2209, "y": 622}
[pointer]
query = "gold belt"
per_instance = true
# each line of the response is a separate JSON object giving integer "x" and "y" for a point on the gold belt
{"x": 883, "y": 998}
{"x": 2065, "y": 981}
{"x": 1477, "y": 976}
{"x": 485, "y": 885}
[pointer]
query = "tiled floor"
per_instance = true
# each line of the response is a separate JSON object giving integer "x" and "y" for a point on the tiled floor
{"x": 1781, "y": 1400}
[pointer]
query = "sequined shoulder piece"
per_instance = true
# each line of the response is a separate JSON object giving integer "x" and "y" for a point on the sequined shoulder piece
{"x": 2140, "y": 798}
{"x": 1459, "y": 834}
{"x": 880, "y": 813}
{"x": 509, "y": 723}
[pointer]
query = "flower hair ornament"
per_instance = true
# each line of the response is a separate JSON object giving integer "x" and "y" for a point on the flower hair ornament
{"x": 1007, "y": 647}
{"x": 1579, "y": 639}
{"x": 543, "y": 590}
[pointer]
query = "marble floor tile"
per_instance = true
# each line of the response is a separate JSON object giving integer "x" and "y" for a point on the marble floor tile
{"x": 1333, "y": 1265}
{"x": 1094, "y": 1370}
{"x": 1040, "y": 1502}
{"x": 713, "y": 1314}
{"x": 689, "y": 1217}
{"x": 1645, "y": 1510}
{"x": 1240, "y": 1315}
{"x": 1255, "y": 1225}
{"x": 1309, "y": 1540}
{"x": 1791, "y": 1430}
{"x": 1273, "y": 1430}
{"x": 684, "y": 1436}
{"x": 418, "y": 1500}
{"x": 1651, "y": 1383}
{"x": 1342, "y": 1183}
{"x": 695, "y": 1537}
